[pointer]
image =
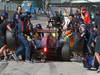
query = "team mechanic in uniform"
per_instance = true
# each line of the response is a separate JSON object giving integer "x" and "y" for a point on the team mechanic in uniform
{"x": 23, "y": 42}
{"x": 97, "y": 47}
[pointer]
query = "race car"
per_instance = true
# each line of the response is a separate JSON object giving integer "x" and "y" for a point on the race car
{"x": 49, "y": 46}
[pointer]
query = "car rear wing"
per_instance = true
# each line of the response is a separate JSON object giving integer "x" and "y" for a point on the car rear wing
{"x": 47, "y": 31}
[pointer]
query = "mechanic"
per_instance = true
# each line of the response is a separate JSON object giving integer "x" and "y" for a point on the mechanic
{"x": 57, "y": 20}
{"x": 17, "y": 14}
{"x": 41, "y": 34}
{"x": 23, "y": 48}
{"x": 97, "y": 47}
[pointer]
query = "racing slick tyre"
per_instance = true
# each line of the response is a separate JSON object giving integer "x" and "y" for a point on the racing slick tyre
{"x": 10, "y": 39}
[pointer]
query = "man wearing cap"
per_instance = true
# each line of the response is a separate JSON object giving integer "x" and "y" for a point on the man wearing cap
{"x": 17, "y": 14}
{"x": 85, "y": 15}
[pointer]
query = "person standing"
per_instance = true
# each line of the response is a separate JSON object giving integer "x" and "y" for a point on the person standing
{"x": 85, "y": 15}
{"x": 97, "y": 47}
{"x": 66, "y": 19}
{"x": 17, "y": 14}
{"x": 23, "y": 48}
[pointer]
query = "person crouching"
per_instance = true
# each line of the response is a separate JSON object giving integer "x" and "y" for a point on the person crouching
{"x": 4, "y": 25}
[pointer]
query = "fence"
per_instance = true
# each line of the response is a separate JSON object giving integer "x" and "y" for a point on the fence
{"x": 9, "y": 7}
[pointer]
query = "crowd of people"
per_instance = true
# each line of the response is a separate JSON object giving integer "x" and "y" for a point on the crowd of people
{"x": 86, "y": 27}
{"x": 80, "y": 23}
{"x": 19, "y": 25}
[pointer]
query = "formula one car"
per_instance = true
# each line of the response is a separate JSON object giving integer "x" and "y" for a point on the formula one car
{"x": 49, "y": 46}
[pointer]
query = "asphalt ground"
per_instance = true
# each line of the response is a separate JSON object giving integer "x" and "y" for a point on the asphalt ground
{"x": 49, "y": 68}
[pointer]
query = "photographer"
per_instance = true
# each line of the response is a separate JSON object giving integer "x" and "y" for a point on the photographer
{"x": 85, "y": 15}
